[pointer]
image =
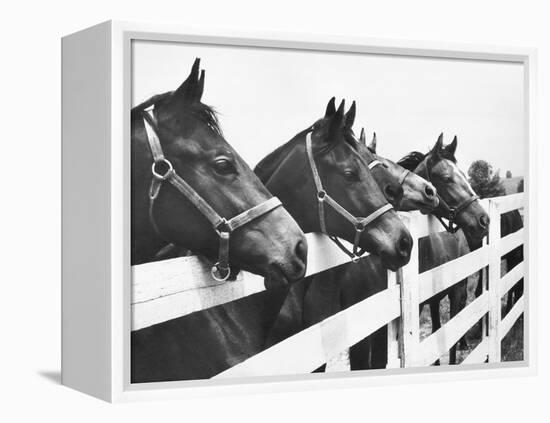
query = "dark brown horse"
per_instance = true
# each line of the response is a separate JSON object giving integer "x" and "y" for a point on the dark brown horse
{"x": 205, "y": 343}
{"x": 339, "y": 162}
{"x": 343, "y": 286}
{"x": 322, "y": 295}
{"x": 192, "y": 148}
{"x": 462, "y": 209}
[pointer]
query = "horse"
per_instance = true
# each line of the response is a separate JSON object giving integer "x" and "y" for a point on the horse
{"x": 343, "y": 286}
{"x": 335, "y": 206}
{"x": 468, "y": 223}
{"x": 191, "y": 188}
{"x": 324, "y": 294}
{"x": 203, "y": 344}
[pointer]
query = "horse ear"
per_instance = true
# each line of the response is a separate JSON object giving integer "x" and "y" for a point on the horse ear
{"x": 362, "y": 137}
{"x": 451, "y": 148}
{"x": 331, "y": 107}
{"x": 200, "y": 87}
{"x": 350, "y": 115}
{"x": 372, "y": 145}
{"x": 192, "y": 88}
{"x": 337, "y": 123}
{"x": 437, "y": 149}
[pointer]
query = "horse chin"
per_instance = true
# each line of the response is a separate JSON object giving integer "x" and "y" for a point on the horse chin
{"x": 475, "y": 238}
{"x": 275, "y": 278}
{"x": 388, "y": 264}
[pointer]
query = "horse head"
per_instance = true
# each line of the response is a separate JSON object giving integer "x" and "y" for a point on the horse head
{"x": 418, "y": 194}
{"x": 326, "y": 185}
{"x": 458, "y": 202}
{"x": 213, "y": 184}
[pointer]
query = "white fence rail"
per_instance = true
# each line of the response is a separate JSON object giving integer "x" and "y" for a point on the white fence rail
{"x": 174, "y": 288}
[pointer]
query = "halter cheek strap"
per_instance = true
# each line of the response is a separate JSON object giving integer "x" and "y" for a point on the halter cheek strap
{"x": 451, "y": 213}
{"x": 223, "y": 227}
{"x": 359, "y": 223}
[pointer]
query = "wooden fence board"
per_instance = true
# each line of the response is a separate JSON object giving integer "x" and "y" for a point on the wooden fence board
{"x": 511, "y": 278}
{"x": 479, "y": 354}
{"x": 509, "y": 242}
{"x": 445, "y": 337}
{"x": 442, "y": 277}
{"x": 426, "y": 225}
{"x": 511, "y": 318}
{"x": 510, "y": 202}
{"x": 176, "y": 287}
{"x": 314, "y": 346}
{"x": 158, "y": 310}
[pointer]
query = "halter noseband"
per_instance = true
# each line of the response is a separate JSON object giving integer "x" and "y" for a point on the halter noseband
{"x": 359, "y": 223}
{"x": 452, "y": 212}
{"x": 223, "y": 227}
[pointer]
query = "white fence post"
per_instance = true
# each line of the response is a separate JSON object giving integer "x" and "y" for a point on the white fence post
{"x": 393, "y": 331}
{"x": 494, "y": 283}
{"x": 410, "y": 320}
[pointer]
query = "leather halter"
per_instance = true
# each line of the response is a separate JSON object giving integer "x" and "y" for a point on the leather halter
{"x": 223, "y": 227}
{"x": 451, "y": 212}
{"x": 359, "y": 223}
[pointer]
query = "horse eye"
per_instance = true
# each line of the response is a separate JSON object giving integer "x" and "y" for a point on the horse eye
{"x": 224, "y": 166}
{"x": 350, "y": 175}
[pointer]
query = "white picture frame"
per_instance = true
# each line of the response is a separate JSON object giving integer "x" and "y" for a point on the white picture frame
{"x": 96, "y": 318}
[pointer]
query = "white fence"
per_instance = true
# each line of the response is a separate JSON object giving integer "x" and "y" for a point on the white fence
{"x": 176, "y": 287}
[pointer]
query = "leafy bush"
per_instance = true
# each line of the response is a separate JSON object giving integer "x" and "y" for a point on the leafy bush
{"x": 484, "y": 180}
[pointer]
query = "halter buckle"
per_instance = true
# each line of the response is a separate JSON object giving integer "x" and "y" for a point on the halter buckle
{"x": 166, "y": 174}
{"x": 216, "y": 272}
{"x": 223, "y": 227}
{"x": 452, "y": 214}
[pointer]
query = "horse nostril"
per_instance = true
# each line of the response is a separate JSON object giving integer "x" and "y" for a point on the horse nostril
{"x": 484, "y": 221}
{"x": 405, "y": 245}
{"x": 429, "y": 191}
{"x": 301, "y": 251}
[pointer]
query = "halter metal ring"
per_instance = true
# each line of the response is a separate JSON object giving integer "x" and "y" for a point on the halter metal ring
{"x": 166, "y": 174}
{"x": 215, "y": 271}
{"x": 355, "y": 259}
{"x": 321, "y": 195}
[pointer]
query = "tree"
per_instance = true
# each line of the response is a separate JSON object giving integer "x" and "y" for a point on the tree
{"x": 484, "y": 180}
{"x": 508, "y": 174}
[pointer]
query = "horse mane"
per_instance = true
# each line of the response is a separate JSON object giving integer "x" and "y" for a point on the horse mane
{"x": 200, "y": 111}
{"x": 412, "y": 160}
{"x": 269, "y": 164}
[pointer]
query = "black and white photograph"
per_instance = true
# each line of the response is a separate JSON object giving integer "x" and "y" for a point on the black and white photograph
{"x": 278, "y": 212}
{"x": 303, "y": 211}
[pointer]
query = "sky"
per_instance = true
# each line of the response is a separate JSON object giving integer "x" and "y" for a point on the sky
{"x": 265, "y": 96}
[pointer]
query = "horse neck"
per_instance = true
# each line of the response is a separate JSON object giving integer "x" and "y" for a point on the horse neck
{"x": 296, "y": 192}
